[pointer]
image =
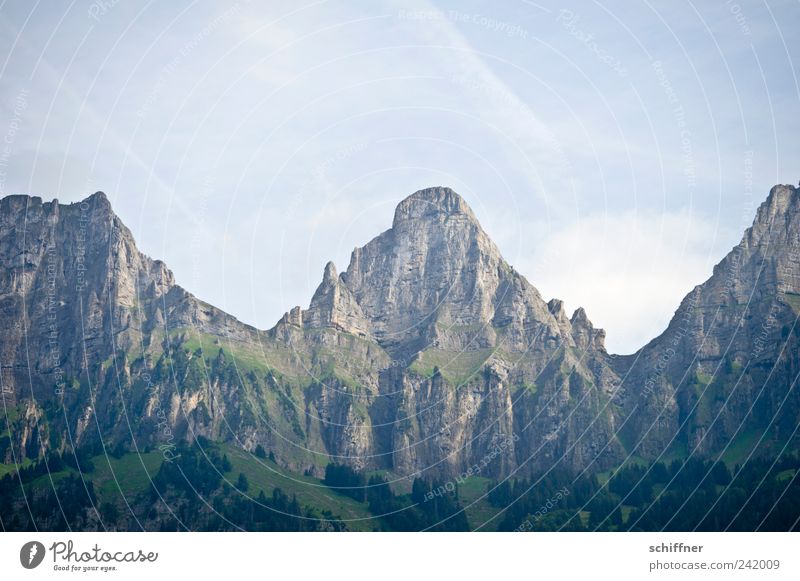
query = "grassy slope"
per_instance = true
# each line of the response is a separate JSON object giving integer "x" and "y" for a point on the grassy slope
{"x": 472, "y": 495}
{"x": 129, "y": 475}
{"x": 117, "y": 479}
{"x": 457, "y": 367}
{"x": 266, "y": 475}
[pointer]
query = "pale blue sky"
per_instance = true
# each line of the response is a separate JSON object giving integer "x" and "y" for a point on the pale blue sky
{"x": 614, "y": 151}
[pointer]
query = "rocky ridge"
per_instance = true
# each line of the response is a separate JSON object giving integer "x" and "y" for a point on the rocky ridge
{"x": 428, "y": 355}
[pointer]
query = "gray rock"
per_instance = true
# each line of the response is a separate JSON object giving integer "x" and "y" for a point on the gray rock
{"x": 429, "y": 354}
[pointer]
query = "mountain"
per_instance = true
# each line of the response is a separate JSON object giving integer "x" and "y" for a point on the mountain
{"x": 428, "y": 355}
{"x": 723, "y": 375}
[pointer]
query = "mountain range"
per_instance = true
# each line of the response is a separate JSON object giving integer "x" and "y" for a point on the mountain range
{"x": 428, "y": 355}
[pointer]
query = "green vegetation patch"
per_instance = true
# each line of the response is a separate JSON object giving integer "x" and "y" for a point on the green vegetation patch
{"x": 457, "y": 367}
{"x": 703, "y": 378}
{"x": 741, "y": 446}
{"x": 266, "y": 475}
{"x": 793, "y": 300}
{"x": 472, "y": 493}
{"x": 11, "y": 468}
{"x": 246, "y": 356}
{"x": 128, "y": 475}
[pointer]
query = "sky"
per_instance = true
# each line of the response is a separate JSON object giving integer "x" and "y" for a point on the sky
{"x": 614, "y": 151}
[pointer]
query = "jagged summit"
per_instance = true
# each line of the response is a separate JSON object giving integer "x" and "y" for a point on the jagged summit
{"x": 98, "y": 197}
{"x": 781, "y": 197}
{"x": 436, "y": 278}
{"x": 330, "y": 271}
{"x": 98, "y": 200}
{"x": 774, "y": 216}
{"x": 432, "y": 201}
{"x": 333, "y": 305}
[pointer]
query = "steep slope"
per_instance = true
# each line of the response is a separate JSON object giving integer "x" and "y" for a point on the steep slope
{"x": 722, "y": 378}
{"x": 86, "y": 316}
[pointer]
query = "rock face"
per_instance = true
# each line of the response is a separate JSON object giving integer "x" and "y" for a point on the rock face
{"x": 80, "y": 305}
{"x": 429, "y": 354}
{"x": 723, "y": 375}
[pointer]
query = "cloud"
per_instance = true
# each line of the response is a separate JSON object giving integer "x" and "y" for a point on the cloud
{"x": 628, "y": 270}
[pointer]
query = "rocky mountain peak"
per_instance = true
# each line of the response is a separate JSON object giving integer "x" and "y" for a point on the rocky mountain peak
{"x": 437, "y": 279}
{"x": 775, "y": 216}
{"x": 333, "y": 305}
{"x": 98, "y": 200}
{"x": 781, "y": 199}
{"x": 330, "y": 274}
{"x": 435, "y": 269}
{"x": 432, "y": 203}
{"x": 583, "y": 332}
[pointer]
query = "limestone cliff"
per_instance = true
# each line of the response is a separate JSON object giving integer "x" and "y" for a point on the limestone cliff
{"x": 428, "y": 354}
